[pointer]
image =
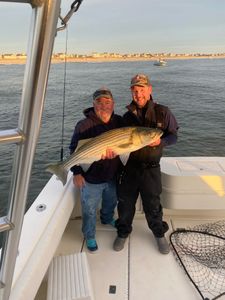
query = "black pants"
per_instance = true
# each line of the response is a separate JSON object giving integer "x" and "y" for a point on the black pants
{"x": 146, "y": 180}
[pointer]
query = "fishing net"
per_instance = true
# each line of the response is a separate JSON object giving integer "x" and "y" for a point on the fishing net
{"x": 201, "y": 253}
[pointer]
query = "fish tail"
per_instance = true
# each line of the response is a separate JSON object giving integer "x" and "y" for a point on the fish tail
{"x": 59, "y": 171}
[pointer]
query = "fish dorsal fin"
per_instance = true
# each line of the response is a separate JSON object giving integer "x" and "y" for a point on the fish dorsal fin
{"x": 85, "y": 167}
{"x": 82, "y": 142}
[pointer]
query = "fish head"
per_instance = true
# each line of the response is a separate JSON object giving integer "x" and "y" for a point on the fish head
{"x": 149, "y": 135}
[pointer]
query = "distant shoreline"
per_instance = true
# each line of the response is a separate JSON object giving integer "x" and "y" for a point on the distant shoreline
{"x": 7, "y": 61}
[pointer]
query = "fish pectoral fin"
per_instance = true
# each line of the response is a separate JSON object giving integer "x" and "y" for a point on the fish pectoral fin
{"x": 124, "y": 158}
{"x": 125, "y": 146}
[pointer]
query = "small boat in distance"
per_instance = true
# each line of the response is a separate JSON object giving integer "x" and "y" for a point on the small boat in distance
{"x": 160, "y": 63}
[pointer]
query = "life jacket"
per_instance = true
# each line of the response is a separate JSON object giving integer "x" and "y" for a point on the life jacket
{"x": 155, "y": 116}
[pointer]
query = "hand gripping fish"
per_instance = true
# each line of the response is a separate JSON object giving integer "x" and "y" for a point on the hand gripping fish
{"x": 121, "y": 141}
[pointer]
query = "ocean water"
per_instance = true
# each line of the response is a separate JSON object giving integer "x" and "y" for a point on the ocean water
{"x": 193, "y": 89}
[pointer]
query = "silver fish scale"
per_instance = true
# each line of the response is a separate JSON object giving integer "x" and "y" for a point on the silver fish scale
{"x": 99, "y": 145}
{"x": 96, "y": 147}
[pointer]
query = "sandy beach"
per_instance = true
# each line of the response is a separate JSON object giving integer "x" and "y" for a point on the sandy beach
{"x": 7, "y": 61}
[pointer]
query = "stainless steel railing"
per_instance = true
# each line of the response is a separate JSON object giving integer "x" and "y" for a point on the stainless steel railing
{"x": 45, "y": 14}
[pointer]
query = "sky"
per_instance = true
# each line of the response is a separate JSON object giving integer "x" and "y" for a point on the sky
{"x": 125, "y": 26}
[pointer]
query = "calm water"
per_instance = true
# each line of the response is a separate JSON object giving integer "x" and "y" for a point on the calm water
{"x": 193, "y": 89}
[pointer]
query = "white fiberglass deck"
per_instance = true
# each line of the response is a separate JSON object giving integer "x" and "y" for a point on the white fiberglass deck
{"x": 139, "y": 271}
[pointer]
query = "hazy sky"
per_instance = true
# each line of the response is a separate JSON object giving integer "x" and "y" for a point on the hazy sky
{"x": 126, "y": 26}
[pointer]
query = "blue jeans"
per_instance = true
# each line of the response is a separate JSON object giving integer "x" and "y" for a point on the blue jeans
{"x": 91, "y": 197}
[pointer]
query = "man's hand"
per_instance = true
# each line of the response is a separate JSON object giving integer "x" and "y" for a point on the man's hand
{"x": 78, "y": 180}
{"x": 109, "y": 154}
{"x": 156, "y": 143}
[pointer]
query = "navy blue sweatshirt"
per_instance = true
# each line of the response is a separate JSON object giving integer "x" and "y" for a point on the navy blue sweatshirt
{"x": 102, "y": 170}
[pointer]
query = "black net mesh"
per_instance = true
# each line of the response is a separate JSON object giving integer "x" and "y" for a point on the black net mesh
{"x": 201, "y": 252}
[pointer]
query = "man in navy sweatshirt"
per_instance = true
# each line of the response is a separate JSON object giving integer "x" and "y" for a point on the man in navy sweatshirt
{"x": 98, "y": 182}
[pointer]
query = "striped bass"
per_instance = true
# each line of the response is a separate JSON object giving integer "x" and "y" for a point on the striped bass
{"x": 121, "y": 141}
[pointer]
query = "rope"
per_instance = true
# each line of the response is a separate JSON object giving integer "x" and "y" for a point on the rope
{"x": 74, "y": 7}
{"x": 64, "y": 98}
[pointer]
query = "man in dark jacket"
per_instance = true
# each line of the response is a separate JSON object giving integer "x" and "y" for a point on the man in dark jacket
{"x": 142, "y": 171}
{"x": 98, "y": 182}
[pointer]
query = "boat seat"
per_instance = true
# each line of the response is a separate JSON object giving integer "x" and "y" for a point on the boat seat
{"x": 193, "y": 183}
{"x": 69, "y": 278}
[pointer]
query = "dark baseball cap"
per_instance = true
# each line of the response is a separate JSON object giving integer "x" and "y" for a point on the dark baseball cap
{"x": 140, "y": 80}
{"x": 102, "y": 93}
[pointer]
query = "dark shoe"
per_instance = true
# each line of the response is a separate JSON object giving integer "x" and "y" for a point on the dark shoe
{"x": 92, "y": 245}
{"x": 119, "y": 243}
{"x": 163, "y": 245}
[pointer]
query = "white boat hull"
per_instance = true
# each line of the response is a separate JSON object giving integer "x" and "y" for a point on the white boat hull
{"x": 139, "y": 269}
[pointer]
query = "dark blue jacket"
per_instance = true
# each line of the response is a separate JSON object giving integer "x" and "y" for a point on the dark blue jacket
{"x": 156, "y": 116}
{"x": 102, "y": 170}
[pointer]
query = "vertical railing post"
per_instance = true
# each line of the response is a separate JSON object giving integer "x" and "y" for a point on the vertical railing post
{"x": 41, "y": 40}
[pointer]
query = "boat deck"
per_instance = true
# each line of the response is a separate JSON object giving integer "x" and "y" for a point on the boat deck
{"x": 139, "y": 271}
